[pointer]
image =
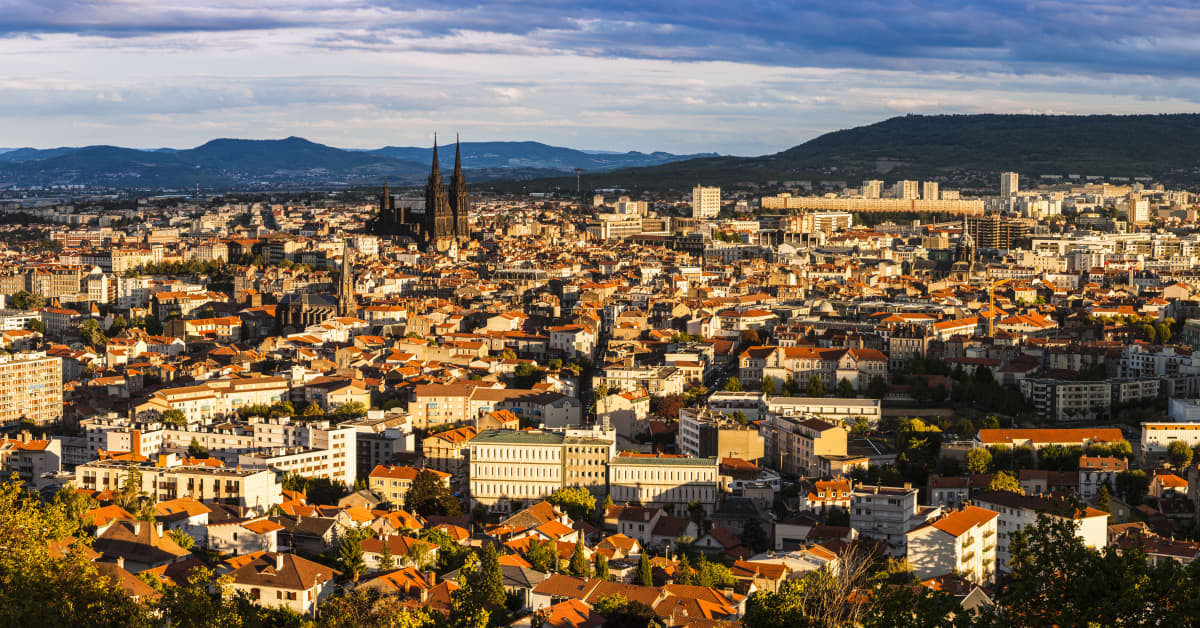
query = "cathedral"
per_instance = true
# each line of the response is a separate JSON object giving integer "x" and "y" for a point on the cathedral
{"x": 443, "y": 224}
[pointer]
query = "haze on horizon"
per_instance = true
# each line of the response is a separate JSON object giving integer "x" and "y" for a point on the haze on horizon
{"x": 602, "y": 75}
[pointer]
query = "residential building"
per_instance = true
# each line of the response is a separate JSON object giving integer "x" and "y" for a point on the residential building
{"x": 253, "y": 488}
{"x": 888, "y": 513}
{"x": 1097, "y": 471}
{"x": 848, "y": 411}
{"x": 664, "y": 481}
{"x": 275, "y": 579}
{"x": 1009, "y": 184}
{"x": 794, "y": 445}
{"x": 706, "y": 202}
{"x": 960, "y": 542}
{"x": 31, "y": 388}
{"x": 450, "y": 452}
{"x": 1157, "y": 437}
{"x": 706, "y": 434}
{"x": 393, "y": 483}
{"x": 1019, "y": 511}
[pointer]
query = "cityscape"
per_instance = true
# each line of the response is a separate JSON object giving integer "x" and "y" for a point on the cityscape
{"x": 349, "y": 358}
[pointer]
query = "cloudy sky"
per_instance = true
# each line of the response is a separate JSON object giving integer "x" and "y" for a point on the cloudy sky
{"x": 683, "y": 76}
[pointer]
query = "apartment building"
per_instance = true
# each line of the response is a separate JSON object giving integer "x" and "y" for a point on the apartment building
{"x": 450, "y": 452}
{"x": 1157, "y": 437}
{"x": 510, "y": 467}
{"x": 31, "y": 388}
{"x": 751, "y": 404}
{"x": 1097, "y": 471}
{"x": 664, "y": 481}
{"x": 706, "y": 202}
{"x": 707, "y": 434}
{"x": 1036, "y": 438}
{"x": 393, "y": 483}
{"x": 830, "y": 366}
{"x": 1074, "y": 400}
{"x": 659, "y": 381}
{"x": 330, "y": 453}
{"x": 214, "y": 400}
{"x": 440, "y": 404}
{"x": 832, "y": 409}
{"x": 1019, "y": 511}
{"x": 960, "y": 542}
{"x": 30, "y": 458}
{"x": 794, "y": 445}
{"x": 888, "y": 513}
{"x": 252, "y": 488}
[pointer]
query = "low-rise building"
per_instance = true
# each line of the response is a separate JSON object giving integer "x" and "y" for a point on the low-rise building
{"x": 888, "y": 513}
{"x": 663, "y": 481}
{"x": 1019, "y": 511}
{"x": 393, "y": 483}
{"x": 960, "y": 542}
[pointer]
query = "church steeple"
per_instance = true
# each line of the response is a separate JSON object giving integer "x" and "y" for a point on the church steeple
{"x": 439, "y": 219}
{"x": 459, "y": 204}
{"x": 347, "y": 306}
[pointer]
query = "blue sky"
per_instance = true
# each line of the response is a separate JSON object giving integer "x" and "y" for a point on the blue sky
{"x": 739, "y": 78}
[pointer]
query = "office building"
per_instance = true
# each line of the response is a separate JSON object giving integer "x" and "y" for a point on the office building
{"x": 706, "y": 202}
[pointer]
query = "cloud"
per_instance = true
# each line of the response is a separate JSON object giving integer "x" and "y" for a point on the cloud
{"x": 674, "y": 75}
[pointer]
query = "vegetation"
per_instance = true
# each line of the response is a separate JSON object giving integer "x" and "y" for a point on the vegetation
{"x": 577, "y": 502}
{"x": 430, "y": 496}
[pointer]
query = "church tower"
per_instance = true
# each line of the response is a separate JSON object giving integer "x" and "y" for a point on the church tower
{"x": 439, "y": 220}
{"x": 460, "y": 205}
{"x": 347, "y": 306}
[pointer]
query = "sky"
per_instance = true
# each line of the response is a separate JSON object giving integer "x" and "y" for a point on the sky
{"x": 743, "y": 78}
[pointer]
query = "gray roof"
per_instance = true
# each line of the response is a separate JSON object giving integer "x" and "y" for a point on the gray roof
{"x": 656, "y": 461}
{"x": 513, "y": 437}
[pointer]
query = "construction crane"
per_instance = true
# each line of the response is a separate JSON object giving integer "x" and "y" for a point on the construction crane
{"x": 992, "y": 306}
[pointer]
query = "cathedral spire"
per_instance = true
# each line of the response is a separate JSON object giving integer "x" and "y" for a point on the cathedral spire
{"x": 435, "y": 171}
{"x": 346, "y": 303}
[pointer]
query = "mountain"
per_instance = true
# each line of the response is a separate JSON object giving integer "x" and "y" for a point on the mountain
{"x": 479, "y": 155}
{"x": 239, "y": 163}
{"x": 961, "y": 150}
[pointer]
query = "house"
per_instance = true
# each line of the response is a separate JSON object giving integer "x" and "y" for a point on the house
{"x": 258, "y": 534}
{"x": 1095, "y": 471}
{"x": 887, "y": 513}
{"x": 961, "y": 542}
{"x": 764, "y": 576}
{"x": 570, "y": 613}
{"x": 308, "y": 534}
{"x": 273, "y": 579}
{"x": 1166, "y": 485}
{"x": 393, "y": 483}
{"x": 187, "y": 514}
{"x": 139, "y": 545}
{"x": 517, "y": 580}
{"x": 405, "y": 550}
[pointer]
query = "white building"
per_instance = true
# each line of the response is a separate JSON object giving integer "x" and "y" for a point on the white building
{"x": 663, "y": 481}
{"x": 905, "y": 190}
{"x": 706, "y": 201}
{"x": 929, "y": 191}
{"x": 1157, "y": 437}
{"x": 872, "y": 188}
{"x": 1018, "y": 511}
{"x": 960, "y": 542}
{"x": 888, "y": 513}
{"x": 1008, "y": 184}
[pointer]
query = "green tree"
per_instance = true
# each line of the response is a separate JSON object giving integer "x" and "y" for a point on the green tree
{"x": 1179, "y": 454}
{"x": 644, "y": 575}
{"x": 578, "y": 565}
{"x": 1132, "y": 485}
{"x": 768, "y": 386}
{"x": 733, "y": 384}
{"x": 312, "y": 410}
{"x": 182, "y": 539}
{"x": 25, "y": 300}
{"x": 350, "y": 554}
{"x": 1004, "y": 481}
{"x": 466, "y": 607}
{"x": 601, "y": 570}
{"x": 387, "y": 561}
{"x": 1103, "y": 500}
{"x": 979, "y": 460}
{"x": 619, "y": 612}
{"x": 1149, "y": 332}
{"x": 754, "y": 537}
{"x": 91, "y": 334}
{"x": 542, "y": 555}
{"x": 715, "y": 575}
{"x": 430, "y": 497}
{"x": 487, "y": 581}
{"x": 815, "y": 387}
{"x": 577, "y": 502}
{"x": 845, "y": 388}
{"x": 350, "y": 411}
{"x": 174, "y": 417}
{"x": 368, "y": 608}
{"x": 196, "y": 450}
{"x": 36, "y": 325}
{"x": 686, "y": 575}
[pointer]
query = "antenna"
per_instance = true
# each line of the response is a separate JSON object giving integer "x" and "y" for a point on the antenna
{"x": 577, "y": 173}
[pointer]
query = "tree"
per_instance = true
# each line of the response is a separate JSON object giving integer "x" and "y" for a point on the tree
{"x": 36, "y": 325}
{"x": 350, "y": 554}
{"x": 877, "y": 388}
{"x": 715, "y": 575}
{"x": 25, "y": 300}
{"x": 845, "y": 388}
{"x": 1103, "y": 500}
{"x": 542, "y": 555}
{"x": 90, "y": 333}
{"x": 815, "y": 387}
{"x": 820, "y": 598}
{"x": 1149, "y": 332}
{"x": 312, "y": 410}
{"x": 1132, "y": 485}
{"x": 687, "y": 575}
{"x": 578, "y": 565}
{"x": 466, "y": 607}
{"x": 174, "y": 417}
{"x": 768, "y": 386}
{"x": 619, "y": 612}
{"x": 487, "y": 580}
{"x": 369, "y": 608}
{"x": 601, "y": 570}
{"x": 196, "y": 450}
{"x": 350, "y": 411}
{"x": 577, "y": 502}
{"x": 733, "y": 384}
{"x": 387, "y": 561}
{"x": 1004, "y": 481}
{"x": 979, "y": 460}
{"x": 1179, "y": 454}
{"x": 667, "y": 407}
{"x": 430, "y": 497}
{"x": 644, "y": 575}
{"x": 182, "y": 539}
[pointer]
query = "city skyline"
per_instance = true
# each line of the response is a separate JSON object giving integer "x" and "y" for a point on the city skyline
{"x": 596, "y": 76}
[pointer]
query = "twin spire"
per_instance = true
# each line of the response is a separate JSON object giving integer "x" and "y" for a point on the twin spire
{"x": 436, "y": 171}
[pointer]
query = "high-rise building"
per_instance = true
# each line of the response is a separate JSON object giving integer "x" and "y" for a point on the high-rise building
{"x": 994, "y": 231}
{"x": 706, "y": 201}
{"x": 1008, "y": 184}
{"x": 872, "y": 188}
{"x": 905, "y": 189}
{"x": 31, "y": 388}
{"x": 929, "y": 191}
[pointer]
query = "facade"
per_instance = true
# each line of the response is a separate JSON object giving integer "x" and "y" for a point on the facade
{"x": 794, "y": 444}
{"x": 706, "y": 202}
{"x": 31, "y": 388}
{"x": 833, "y": 409}
{"x": 961, "y": 542}
{"x": 393, "y": 483}
{"x": 906, "y": 190}
{"x": 1097, "y": 471}
{"x": 450, "y": 452}
{"x": 1157, "y": 437}
{"x": 706, "y": 434}
{"x": 30, "y": 458}
{"x": 276, "y": 579}
{"x": 662, "y": 481}
{"x": 888, "y": 513}
{"x": 252, "y": 488}
{"x": 508, "y": 467}
{"x": 1018, "y": 511}
{"x": 830, "y": 366}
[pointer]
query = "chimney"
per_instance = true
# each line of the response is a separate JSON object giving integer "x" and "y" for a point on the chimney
{"x": 121, "y": 562}
{"x": 159, "y": 527}
{"x": 431, "y": 577}
{"x": 278, "y": 561}
{"x": 908, "y": 486}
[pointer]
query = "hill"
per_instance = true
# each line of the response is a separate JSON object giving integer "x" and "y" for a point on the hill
{"x": 964, "y": 150}
{"x": 239, "y": 163}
